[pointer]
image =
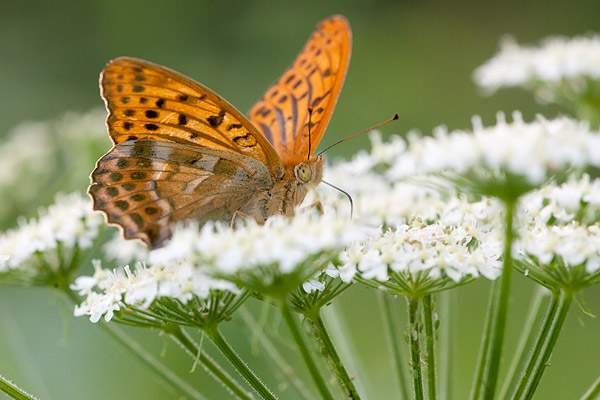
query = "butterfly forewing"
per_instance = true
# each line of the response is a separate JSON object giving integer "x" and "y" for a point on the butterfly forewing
{"x": 145, "y": 100}
{"x": 146, "y": 185}
{"x": 314, "y": 80}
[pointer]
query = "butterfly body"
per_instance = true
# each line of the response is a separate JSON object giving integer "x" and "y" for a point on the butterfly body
{"x": 182, "y": 152}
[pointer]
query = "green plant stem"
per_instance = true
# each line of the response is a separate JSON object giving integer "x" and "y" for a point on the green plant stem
{"x": 235, "y": 360}
{"x": 392, "y": 332}
{"x": 537, "y": 348}
{"x": 415, "y": 351}
{"x": 488, "y": 376}
{"x": 332, "y": 356}
{"x": 156, "y": 366}
{"x": 564, "y": 302}
{"x": 140, "y": 353}
{"x": 430, "y": 346}
{"x": 304, "y": 351}
{"x": 447, "y": 342}
{"x": 13, "y": 390}
{"x": 182, "y": 338}
{"x": 275, "y": 354}
{"x": 593, "y": 392}
{"x": 525, "y": 343}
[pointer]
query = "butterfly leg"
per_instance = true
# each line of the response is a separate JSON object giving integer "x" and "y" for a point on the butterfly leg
{"x": 317, "y": 204}
{"x": 236, "y": 213}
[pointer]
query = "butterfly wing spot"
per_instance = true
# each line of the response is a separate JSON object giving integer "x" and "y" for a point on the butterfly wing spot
{"x": 127, "y": 126}
{"x": 151, "y": 127}
{"x": 116, "y": 176}
{"x": 245, "y": 141}
{"x": 125, "y": 99}
{"x": 143, "y": 100}
{"x": 112, "y": 191}
{"x": 151, "y": 114}
{"x": 216, "y": 120}
{"x": 182, "y": 119}
{"x": 129, "y": 186}
{"x": 151, "y": 210}
{"x": 159, "y": 103}
{"x": 122, "y": 204}
{"x": 138, "y": 88}
{"x": 122, "y": 163}
{"x": 138, "y": 197}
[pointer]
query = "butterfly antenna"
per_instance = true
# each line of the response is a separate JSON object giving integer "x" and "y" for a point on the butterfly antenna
{"x": 395, "y": 117}
{"x": 347, "y": 195}
{"x": 310, "y": 111}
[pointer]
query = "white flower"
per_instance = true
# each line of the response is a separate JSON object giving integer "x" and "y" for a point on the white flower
{"x": 532, "y": 150}
{"x": 70, "y": 221}
{"x": 109, "y": 291}
{"x": 450, "y": 246}
{"x": 558, "y": 58}
{"x": 281, "y": 242}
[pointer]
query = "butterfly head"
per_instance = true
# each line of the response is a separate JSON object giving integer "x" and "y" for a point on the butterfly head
{"x": 309, "y": 172}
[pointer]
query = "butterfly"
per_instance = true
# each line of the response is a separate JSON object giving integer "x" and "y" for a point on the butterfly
{"x": 182, "y": 152}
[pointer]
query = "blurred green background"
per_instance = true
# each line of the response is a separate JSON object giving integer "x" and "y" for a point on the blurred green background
{"x": 413, "y": 57}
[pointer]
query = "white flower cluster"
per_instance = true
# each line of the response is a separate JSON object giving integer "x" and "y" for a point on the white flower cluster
{"x": 462, "y": 241}
{"x": 548, "y": 229}
{"x": 558, "y": 58}
{"x": 70, "y": 221}
{"x": 560, "y": 204}
{"x": 281, "y": 241}
{"x": 532, "y": 150}
{"x": 108, "y": 291}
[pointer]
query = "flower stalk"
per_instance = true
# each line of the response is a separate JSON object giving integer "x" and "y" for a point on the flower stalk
{"x": 219, "y": 341}
{"x": 13, "y": 390}
{"x": 414, "y": 334}
{"x": 328, "y": 349}
{"x": 430, "y": 359}
{"x": 304, "y": 351}
{"x": 538, "y": 360}
{"x": 499, "y": 307}
{"x": 182, "y": 338}
{"x": 392, "y": 330}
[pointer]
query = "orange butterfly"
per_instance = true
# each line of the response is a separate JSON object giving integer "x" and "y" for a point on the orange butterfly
{"x": 182, "y": 152}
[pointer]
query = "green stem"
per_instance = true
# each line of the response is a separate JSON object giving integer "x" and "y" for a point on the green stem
{"x": 415, "y": 351}
{"x": 447, "y": 342}
{"x": 525, "y": 342}
{"x": 485, "y": 342}
{"x": 498, "y": 321}
{"x": 235, "y": 360}
{"x": 537, "y": 348}
{"x": 564, "y": 302}
{"x": 275, "y": 354}
{"x": 214, "y": 369}
{"x": 334, "y": 359}
{"x": 430, "y": 346}
{"x": 14, "y": 391}
{"x": 140, "y": 353}
{"x": 156, "y": 366}
{"x": 306, "y": 356}
{"x": 392, "y": 332}
{"x": 593, "y": 392}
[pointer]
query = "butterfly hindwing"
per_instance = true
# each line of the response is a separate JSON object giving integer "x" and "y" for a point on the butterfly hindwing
{"x": 147, "y": 101}
{"x": 146, "y": 185}
{"x": 314, "y": 80}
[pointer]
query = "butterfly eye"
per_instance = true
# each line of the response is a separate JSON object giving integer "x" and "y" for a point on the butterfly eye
{"x": 303, "y": 172}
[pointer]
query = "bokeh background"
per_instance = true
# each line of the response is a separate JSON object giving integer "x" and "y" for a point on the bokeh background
{"x": 411, "y": 57}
